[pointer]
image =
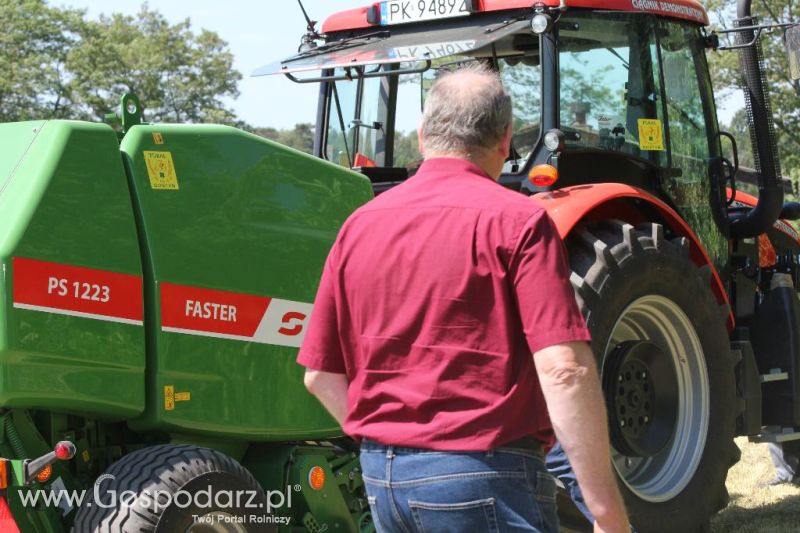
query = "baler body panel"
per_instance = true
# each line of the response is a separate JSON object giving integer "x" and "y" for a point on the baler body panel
{"x": 71, "y": 335}
{"x": 235, "y": 230}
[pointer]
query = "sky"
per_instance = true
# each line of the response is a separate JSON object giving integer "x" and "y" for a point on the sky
{"x": 260, "y": 32}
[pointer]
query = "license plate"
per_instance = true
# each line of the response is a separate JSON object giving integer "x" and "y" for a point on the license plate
{"x": 404, "y": 11}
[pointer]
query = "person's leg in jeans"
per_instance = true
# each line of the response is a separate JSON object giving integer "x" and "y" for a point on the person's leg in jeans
{"x": 558, "y": 465}
{"x": 416, "y": 491}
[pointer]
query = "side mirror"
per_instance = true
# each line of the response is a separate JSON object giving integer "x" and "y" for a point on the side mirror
{"x": 793, "y": 51}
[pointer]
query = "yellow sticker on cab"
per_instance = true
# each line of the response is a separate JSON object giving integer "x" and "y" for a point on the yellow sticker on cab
{"x": 651, "y": 134}
{"x": 161, "y": 170}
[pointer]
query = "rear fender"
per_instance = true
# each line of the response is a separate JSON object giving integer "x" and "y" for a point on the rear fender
{"x": 587, "y": 203}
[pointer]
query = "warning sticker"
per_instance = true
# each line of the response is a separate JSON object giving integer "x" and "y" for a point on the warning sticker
{"x": 161, "y": 170}
{"x": 651, "y": 135}
{"x": 170, "y": 397}
{"x": 158, "y": 138}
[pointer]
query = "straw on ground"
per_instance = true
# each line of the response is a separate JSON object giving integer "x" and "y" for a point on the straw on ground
{"x": 754, "y": 508}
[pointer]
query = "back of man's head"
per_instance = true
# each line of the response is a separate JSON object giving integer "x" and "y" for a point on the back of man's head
{"x": 466, "y": 111}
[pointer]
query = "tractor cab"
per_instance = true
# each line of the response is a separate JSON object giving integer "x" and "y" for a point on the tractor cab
{"x": 628, "y": 91}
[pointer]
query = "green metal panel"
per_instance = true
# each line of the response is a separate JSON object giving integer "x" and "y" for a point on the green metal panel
{"x": 219, "y": 209}
{"x": 65, "y": 205}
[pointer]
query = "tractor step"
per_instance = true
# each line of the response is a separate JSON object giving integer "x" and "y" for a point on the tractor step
{"x": 776, "y": 434}
{"x": 774, "y": 374}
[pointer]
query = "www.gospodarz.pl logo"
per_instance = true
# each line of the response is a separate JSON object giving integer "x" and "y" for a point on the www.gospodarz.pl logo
{"x": 206, "y": 499}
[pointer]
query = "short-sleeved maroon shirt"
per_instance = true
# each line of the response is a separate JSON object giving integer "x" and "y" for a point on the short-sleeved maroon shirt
{"x": 432, "y": 300}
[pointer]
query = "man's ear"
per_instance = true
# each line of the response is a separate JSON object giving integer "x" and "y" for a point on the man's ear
{"x": 420, "y": 143}
{"x": 505, "y": 141}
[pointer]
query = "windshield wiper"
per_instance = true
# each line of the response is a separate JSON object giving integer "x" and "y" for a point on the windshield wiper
{"x": 339, "y": 45}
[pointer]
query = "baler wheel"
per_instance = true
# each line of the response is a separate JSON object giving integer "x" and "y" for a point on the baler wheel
{"x": 661, "y": 343}
{"x": 143, "y": 483}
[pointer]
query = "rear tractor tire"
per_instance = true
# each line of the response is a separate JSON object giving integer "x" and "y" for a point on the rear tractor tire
{"x": 662, "y": 348}
{"x": 174, "y": 489}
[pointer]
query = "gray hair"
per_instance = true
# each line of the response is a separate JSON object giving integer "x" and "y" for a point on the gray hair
{"x": 466, "y": 111}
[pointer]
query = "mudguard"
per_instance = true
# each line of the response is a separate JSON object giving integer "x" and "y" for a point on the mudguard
{"x": 581, "y": 203}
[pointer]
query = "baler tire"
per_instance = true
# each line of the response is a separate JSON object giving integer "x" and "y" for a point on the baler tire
{"x": 172, "y": 470}
{"x": 622, "y": 275}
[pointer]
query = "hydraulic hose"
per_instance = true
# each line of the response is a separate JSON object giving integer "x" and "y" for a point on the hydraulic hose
{"x": 14, "y": 438}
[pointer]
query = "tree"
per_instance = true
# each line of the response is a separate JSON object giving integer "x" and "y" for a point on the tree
{"x": 179, "y": 76}
{"x": 56, "y": 64}
{"x": 34, "y": 45}
{"x": 300, "y": 138}
{"x": 784, "y": 92}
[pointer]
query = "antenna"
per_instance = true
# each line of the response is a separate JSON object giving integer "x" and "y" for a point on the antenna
{"x": 309, "y": 41}
{"x": 311, "y": 23}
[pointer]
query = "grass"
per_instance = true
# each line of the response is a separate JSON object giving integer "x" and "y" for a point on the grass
{"x": 754, "y": 508}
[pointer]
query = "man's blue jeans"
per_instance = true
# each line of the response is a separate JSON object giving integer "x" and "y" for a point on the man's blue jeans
{"x": 558, "y": 465}
{"x": 423, "y": 491}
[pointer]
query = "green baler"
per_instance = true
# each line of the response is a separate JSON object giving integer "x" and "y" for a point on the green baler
{"x": 155, "y": 291}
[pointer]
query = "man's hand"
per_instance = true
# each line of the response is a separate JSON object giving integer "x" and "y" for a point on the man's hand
{"x": 575, "y": 401}
{"x": 330, "y": 389}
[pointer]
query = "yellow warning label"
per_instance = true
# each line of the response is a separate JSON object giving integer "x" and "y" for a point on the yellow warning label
{"x": 86, "y": 456}
{"x": 158, "y": 138}
{"x": 651, "y": 135}
{"x": 161, "y": 170}
{"x": 170, "y": 397}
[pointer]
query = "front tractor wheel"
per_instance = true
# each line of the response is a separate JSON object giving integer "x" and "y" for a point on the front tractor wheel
{"x": 662, "y": 348}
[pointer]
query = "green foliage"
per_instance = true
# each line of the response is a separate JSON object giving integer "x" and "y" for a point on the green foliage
{"x": 300, "y": 138}
{"x": 784, "y": 93}
{"x": 55, "y": 63}
{"x": 406, "y": 149}
{"x": 34, "y": 45}
{"x": 179, "y": 76}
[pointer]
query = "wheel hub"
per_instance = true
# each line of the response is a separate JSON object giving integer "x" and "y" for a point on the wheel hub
{"x": 641, "y": 392}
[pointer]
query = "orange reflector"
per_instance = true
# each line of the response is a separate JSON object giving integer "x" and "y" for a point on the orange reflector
{"x": 543, "y": 175}
{"x": 316, "y": 478}
{"x": 44, "y": 474}
{"x": 3, "y": 474}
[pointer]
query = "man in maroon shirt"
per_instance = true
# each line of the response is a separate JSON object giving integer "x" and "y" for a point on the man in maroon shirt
{"x": 431, "y": 302}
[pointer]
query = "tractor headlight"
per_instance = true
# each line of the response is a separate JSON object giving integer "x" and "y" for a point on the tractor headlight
{"x": 554, "y": 140}
{"x": 541, "y": 23}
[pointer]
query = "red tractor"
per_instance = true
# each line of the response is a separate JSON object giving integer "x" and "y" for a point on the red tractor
{"x": 688, "y": 287}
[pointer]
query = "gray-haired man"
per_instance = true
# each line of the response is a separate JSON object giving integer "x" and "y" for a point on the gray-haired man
{"x": 432, "y": 300}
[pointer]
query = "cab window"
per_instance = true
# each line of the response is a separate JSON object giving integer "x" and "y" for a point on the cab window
{"x": 610, "y": 96}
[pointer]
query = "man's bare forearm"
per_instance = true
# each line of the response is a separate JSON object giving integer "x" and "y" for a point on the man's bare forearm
{"x": 571, "y": 387}
{"x": 331, "y": 390}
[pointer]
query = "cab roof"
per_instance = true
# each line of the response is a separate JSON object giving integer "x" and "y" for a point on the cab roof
{"x": 359, "y": 18}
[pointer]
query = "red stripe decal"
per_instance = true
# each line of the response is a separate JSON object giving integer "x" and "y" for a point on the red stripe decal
{"x": 211, "y": 311}
{"x": 77, "y": 291}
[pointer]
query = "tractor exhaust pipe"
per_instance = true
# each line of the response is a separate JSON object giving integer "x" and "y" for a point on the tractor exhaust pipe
{"x": 762, "y": 135}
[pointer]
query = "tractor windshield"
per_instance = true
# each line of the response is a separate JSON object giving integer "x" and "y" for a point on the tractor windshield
{"x": 356, "y": 127}
{"x": 372, "y": 121}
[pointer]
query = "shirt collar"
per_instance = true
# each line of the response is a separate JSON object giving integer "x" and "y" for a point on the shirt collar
{"x": 451, "y": 165}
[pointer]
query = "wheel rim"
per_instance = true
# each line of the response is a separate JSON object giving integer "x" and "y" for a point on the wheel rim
{"x": 216, "y": 522}
{"x": 642, "y": 398}
{"x": 660, "y": 321}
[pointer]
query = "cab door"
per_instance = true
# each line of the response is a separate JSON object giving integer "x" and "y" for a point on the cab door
{"x": 693, "y": 184}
